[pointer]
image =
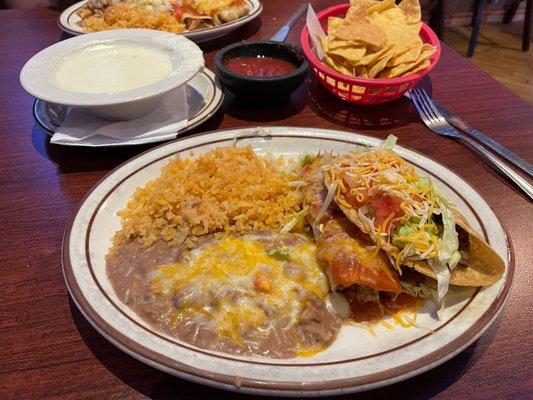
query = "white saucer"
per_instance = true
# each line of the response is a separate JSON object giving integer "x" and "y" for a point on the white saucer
{"x": 204, "y": 98}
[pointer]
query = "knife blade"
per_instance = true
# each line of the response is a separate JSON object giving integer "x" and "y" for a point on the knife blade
{"x": 282, "y": 33}
{"x": 460, "y": 124}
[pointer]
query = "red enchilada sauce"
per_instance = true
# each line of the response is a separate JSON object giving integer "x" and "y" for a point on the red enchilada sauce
{"x": 260, "y": 66}
{"x": 390, "y": 304}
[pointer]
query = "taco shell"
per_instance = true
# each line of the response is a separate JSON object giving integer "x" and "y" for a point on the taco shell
{"x": 483, "y": 267}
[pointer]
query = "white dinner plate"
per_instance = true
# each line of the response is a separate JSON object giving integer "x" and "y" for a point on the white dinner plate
{"x": 355, "y": 361}
{"x": 204, "y": 97}
{"x": 69, "y": 20}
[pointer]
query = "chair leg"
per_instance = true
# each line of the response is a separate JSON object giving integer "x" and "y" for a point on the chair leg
{"x": 439, "y": 19}
{"x": 480, "y": 8}
{"x": 511, "y": 11}
{"x": 526, "y": 36}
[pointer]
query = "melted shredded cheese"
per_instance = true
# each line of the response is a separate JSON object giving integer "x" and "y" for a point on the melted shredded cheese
{"x": 236, "y": 285}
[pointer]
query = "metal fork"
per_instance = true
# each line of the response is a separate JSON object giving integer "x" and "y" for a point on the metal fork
{"x": 438, "y": 124}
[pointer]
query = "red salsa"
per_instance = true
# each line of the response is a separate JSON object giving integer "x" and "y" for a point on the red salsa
{"x": 260, "y": 66}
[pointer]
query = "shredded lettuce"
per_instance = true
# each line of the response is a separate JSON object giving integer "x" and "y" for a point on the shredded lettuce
{"x": 440, "y": 311}
{"x": 407, "y": 229}
{"x": 258, "y": 132}
{"x": 450, "y": 239}
{"x": 423, "y": 183}
{"x": 279, "y": 254}
{"x": 294, "y": 219}
{"x": 448, "y": 256}
{"x": 338, "y": 304}
{"x": 403, "y": 230}
{"x": 442, "y": 197}
{"x": 422, "y": 289}
{"x": 332, "y": 189}
{"x": 443, "y": 277}
{"x": 425, "y": 290}
{"x": 448, "y": 249}
{"x": 363, "y": 212}
{"x": 389, "y": 143}
{"x": 392, "y": 176}
{"x": 412, "y": 226}
{"x": 316, "y": 231}
{"x": 297, "y": 184}
{"x": 415, "y": 219}
{"x": 454, "y": 260}
{"x": 417, "y": 325}
{"x": 308, "y": 159}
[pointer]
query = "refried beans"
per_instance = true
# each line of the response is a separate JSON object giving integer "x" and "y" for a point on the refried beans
{"x": 258, "y": 294}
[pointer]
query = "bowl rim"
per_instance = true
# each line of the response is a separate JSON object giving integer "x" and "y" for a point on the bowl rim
{"x": 425, "y": 30}
{"x": 38, "y": 84}
{"x": 219, "y": 64}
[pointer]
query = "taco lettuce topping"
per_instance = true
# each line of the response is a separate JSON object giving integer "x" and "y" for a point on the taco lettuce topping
{"x": 402, "y": 212}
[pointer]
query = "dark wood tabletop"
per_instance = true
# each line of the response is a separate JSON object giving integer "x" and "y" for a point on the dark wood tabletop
{"x": 48, "y": 350}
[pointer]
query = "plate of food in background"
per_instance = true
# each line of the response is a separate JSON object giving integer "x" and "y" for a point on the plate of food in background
{"x": 287, "y": 261}
{"x": 198, "y": 20}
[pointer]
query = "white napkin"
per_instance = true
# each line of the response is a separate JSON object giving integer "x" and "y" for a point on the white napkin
{"x": 80, "y": 128}
{"x": 315, "y": 31}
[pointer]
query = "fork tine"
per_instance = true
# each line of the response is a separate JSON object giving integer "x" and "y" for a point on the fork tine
{"x": 424, "y": 106}
{"x": 431, "y": 104}
{"x": 416, "y": 102}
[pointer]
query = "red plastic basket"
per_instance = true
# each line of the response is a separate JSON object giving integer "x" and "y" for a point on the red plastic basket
{"x": 364, "y": 90}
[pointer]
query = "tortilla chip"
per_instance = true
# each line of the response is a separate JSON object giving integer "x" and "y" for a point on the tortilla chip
{"x": 379, "y": 66}
{"x": 371, "y": 58}
{"x": 358, "y": 29}
{"x": 334, "y": 24}
{"x": 410, "y": 55}
{"x": 400, "y": 35}
{"x": 351, "y": 54}
{"x": 362, "y": 3}
{"x": 358, "y": 6}
{"x": 338, "y": 64}
{"x": 415, "y": 66}
{"x": 339, "y": 44}
{"x": 404, "y": 69}
{"x": 427, "y": 51}
{"x": 381, "y": 6}
{"x": 412, "y": 11}
{"x": 324, "y": 42}
{"x": 420, "y": 67}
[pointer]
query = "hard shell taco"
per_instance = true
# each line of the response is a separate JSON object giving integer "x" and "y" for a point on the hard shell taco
{"x": 410, "y": 219}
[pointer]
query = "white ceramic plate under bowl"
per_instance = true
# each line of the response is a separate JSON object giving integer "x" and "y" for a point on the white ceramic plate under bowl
{"x": 355, "y": 361}
{"x": 69, "y": 20}
{"x": 204, "y": 98}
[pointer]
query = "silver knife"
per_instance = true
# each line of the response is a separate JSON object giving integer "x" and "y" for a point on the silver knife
{"x": 281, "y": 35}
{"x": 456, "y": 121}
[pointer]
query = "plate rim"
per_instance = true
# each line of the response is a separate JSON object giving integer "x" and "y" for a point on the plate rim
{"x": 208, "y": 110}
{"x": 195, "y": 35}
{"x": 257, "y": 386}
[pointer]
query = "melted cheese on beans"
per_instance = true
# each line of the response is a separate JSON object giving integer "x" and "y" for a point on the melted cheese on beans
{"x": 239, "y": 287}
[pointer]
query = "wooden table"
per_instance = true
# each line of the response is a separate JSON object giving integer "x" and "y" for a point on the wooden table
{"x": 48, "y": 350}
